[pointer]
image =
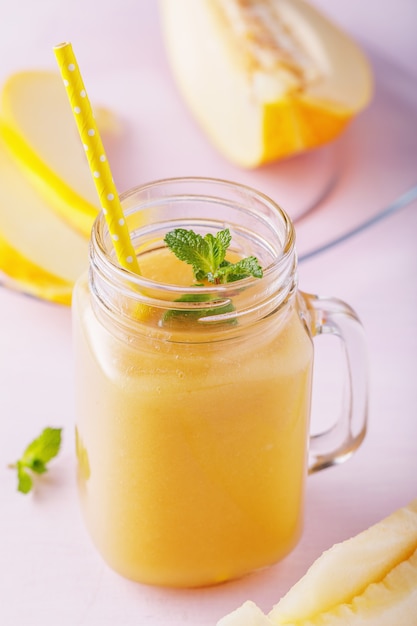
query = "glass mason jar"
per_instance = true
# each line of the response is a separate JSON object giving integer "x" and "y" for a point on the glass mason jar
{"x": 192, "y": 419}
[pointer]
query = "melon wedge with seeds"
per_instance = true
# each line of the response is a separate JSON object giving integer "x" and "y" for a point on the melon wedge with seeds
{"x": 265, "y": 79}
{"x": 39, "y": 253}
{"x": 368, "y": 580}
{"x": 38, "y": 127}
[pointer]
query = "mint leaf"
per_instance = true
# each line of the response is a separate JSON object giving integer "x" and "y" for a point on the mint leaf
{"x": 207, "y": 256}
{"x": 24, "y": 481}
{"x": 217, "y": 247}
{"x": 36, "y": 456}
{"x": 42, "y": 449}
{"x": 229, "y": 272}
{"x": 196, "y": 313}
{"x": 190, "y": 247}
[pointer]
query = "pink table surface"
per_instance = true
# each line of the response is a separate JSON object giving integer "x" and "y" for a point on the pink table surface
{"x": 49, "y": 572}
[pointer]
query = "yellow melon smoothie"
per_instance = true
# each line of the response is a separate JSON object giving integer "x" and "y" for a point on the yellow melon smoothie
{"x": 193, "y": 418}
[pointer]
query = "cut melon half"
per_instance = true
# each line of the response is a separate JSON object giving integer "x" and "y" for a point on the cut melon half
{"x": 39, "y": 253}
{"x": 37, "y": 126}
{"x": 265, "y": 78}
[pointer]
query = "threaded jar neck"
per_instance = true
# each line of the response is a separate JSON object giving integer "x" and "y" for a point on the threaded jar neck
{"x": 138, "y": 304}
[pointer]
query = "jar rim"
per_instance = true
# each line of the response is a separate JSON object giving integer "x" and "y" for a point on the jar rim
{"x": 99, "y": 230}
{"x": 258, "y": 225}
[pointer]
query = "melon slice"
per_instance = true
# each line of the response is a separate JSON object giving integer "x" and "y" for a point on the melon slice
{"x": 246, "y": 615}
{"x": 38, "y": 127}
{"x": 346, "y": 570}
{"x": 39, "y": 253}
{"x": 17, "y": 272}
{"x": 265, "y": 78}
{"x": 391, "y": 602}
{"x": 368, "y": 580}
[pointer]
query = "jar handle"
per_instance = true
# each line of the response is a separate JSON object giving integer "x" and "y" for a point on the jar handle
{"x": 336, "y": 444}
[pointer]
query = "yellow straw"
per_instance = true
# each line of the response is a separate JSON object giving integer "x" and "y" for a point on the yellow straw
{"x": 97, "y": 160}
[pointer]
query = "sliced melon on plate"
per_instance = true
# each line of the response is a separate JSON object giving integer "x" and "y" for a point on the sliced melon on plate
{"x": 265, "y": 78}
{"x": 37, "y": 125}
{"x": 39, "y": 253}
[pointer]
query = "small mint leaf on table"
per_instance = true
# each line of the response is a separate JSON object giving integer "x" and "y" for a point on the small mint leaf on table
{"x": 24, "y": 481}
{"x": 36, "y": 456}
{"x": 43, "y": 448}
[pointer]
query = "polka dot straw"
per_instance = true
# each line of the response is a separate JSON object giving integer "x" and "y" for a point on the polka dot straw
{"x": 96, "y": 156}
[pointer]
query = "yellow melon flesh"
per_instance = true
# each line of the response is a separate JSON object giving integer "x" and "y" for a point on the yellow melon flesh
{"x": 37, "y": 125}
{"x": 347, "y": 569}
{"x": 246, "y": 615}
{"x": 39, "y": 252}
{"x": 17, "y": 272}
{"x": 391, "y": 602}
{"x": 368, "y": 580}
{"x": 265, "y": 78}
